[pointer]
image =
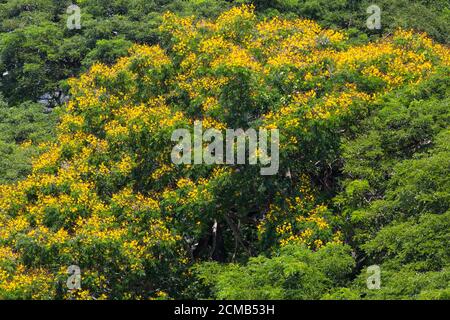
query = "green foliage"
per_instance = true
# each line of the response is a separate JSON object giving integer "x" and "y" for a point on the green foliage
{"x": 295, "y": 272}
{"x": 107, "y": 51}
{"x": 21, "y": 129}
{"x": 379, "y": 169}
{"x": 421, "y": 244}
{"x": 396, "y": 195}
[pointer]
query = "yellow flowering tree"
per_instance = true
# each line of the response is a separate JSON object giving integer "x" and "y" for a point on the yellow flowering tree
{"x": 107, "y": 198}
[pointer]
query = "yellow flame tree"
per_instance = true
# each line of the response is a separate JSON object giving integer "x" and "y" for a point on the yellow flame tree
{"x": 107, "y": 198}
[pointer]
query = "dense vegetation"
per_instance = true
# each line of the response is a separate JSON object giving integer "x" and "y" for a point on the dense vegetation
{"x": 364, "y": 150}
{"x": 38, "y": 53}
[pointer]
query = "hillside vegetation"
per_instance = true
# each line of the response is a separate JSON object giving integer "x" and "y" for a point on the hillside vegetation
{"x": 38, "y": 53}
{"x": 363, "y": 178}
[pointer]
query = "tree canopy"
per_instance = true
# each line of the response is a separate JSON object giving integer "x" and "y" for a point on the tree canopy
{"x": 363, "y": 165}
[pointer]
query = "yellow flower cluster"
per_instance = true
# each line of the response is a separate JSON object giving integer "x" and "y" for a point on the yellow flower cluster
{"x": 299, "y": 220}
